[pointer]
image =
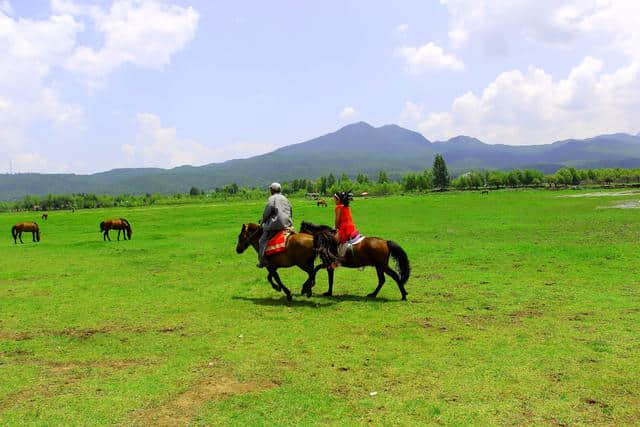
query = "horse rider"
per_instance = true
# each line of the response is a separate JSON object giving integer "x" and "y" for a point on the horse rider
{"x": 275, "y": 218}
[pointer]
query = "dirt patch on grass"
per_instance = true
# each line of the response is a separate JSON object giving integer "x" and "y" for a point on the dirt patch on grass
{"x": 15, "y": 336}
{"x": 525, "y": 314}
{"x": 85, "y": 333}
{"x": 630, "y": 204}
{"x": 603, "y": 194}
{"x": 183, "y": 407}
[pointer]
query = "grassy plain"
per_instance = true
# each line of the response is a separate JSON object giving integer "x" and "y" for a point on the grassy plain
{"x": 524, "y": 307}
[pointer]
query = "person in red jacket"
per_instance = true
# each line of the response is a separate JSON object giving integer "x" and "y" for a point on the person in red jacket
{"x": 344, "y": 221}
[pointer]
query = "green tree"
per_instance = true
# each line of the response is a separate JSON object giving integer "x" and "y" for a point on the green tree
{"x": 195, "y": 191}
{"x": 441, "y": 178}
{"x": 382, "y": 177}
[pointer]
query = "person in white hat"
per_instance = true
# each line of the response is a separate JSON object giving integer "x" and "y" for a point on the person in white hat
{"x": 276, "y": 217}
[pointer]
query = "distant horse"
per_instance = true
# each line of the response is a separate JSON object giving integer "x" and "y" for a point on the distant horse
{"x": 322, "y": 202}
{"x": 372, "y": 251}
{"x": 19, "y": 228}
{"x": 45, "y": 216}
{"x": 115, "y": 224}
{"x": 299, "y": 252}
{"x": 485, "y": 192}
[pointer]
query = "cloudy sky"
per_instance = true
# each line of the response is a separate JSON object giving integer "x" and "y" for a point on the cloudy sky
{"x": 87, "y": 86}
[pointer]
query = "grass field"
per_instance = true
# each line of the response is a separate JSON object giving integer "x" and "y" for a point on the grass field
{"x": 524, "y": 307}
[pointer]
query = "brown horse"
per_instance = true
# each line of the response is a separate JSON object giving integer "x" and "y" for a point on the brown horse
{"x": 19, "y": 228}
{"x": 322, "y": 202}
{"x": 119, "y": 224}
{"x": 45, "y": 216}
{"x": 372, "y": 251}
{"x": 299, "y": 252}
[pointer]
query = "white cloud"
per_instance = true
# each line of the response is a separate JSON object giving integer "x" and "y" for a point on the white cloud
{"x": 5, "y": 7}
{"x": 29, "y": 50}
{"x": 531, "y": 107}
{"x": 428, "y": 57}
{"x": 611, "y": 23}
{"x": 144, "y": 33}
{"x": 402, "y": 29}
{"x": 348, "y": 113}
{"x": 159, "y": 146}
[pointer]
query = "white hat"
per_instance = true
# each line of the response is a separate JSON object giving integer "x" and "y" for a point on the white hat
{"x": 276, "y": 187}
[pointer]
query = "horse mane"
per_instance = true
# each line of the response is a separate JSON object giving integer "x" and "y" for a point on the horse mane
{"x": 314, "y": 228}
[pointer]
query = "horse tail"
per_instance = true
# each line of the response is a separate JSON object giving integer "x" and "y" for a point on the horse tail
{"x": 402, "y": 260}
{"x": 14, "y": 233}
{"x": 37, "y": 232}
{"x": 325, "y": 245}
{"x": 102, "y": 226}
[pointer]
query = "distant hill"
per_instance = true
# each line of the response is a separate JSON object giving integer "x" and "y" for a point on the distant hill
{"x": 356, "y": 148}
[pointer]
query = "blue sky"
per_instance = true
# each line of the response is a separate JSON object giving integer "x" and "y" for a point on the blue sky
{"x": 91, "y": 86}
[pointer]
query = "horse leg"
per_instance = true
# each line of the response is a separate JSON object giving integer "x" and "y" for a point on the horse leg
{"x": 270, "y": 280}
{"x": 311, "y": 280}
{"x": 118, "y": 234}
{"x": 330, "y": 272}
{"x": 33, "y": 236}
{"x": 20, "y": 237}
{"x": 395, "y": 277}
{"x": 282, "y": 286}
{"x": 381, "y": 280}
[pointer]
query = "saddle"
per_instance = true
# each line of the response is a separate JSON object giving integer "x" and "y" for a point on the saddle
{"x": 349, "y": 244}
{"x": 278, "y": 243}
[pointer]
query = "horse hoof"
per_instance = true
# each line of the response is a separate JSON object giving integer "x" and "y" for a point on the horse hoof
{"x": 289, "y": 298}
{"x": 372, "y": 295}
{"x": 327, "y": 294}
{"x": 404, "y": 297}
{"x": 309, "y": 294}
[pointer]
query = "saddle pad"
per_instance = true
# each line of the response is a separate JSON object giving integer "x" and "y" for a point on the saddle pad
{"x": 278, "y": 243}
{"x": 343, "y": 248}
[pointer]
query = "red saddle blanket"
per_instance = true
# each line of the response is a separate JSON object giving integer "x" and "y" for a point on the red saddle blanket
{"x": 278, "y": 243}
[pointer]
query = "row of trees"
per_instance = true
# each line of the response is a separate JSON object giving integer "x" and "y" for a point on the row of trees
{"x": 437, "y": 178}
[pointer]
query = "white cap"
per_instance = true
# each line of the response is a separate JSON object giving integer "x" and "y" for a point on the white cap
{"x": 275, "y": 187}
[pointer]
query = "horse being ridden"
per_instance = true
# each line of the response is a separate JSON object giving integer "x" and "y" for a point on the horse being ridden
{"x": 371, "y": 251}
{"x": 299, "y": 252}
{"x": 19, "y": 228}
{"x": 119, "y": 224}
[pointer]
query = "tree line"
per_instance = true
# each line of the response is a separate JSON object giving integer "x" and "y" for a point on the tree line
{"x": 436, "y": 178}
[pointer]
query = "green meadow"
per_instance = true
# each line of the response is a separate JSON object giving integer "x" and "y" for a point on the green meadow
{"x": 523, "y": 308}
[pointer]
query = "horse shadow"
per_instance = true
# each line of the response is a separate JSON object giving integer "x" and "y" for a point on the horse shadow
{"x": 358, "y": 298}
{"x": 268, "y": 301}
{"x": 320, "y": 301}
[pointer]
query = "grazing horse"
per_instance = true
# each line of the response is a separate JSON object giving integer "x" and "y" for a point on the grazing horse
{"x": 371, "y": 251}
{"x": 19, "y": 228}
{"x": 299, "y": 252}
{"x": 45, "y": 216}
{"x": 115, "y": 224}
{"x": 322, "y": 202}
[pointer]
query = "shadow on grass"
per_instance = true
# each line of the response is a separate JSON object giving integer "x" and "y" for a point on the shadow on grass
{"x": 361, "y": 298}
{"x": 283, "y": 301}
{"x": 319, "y": 301}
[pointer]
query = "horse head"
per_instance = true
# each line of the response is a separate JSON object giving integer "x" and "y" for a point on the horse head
{"x": 248, "y": 234}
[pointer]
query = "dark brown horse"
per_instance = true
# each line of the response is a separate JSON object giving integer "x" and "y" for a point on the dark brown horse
{"x": 371, "y": 251}
{"x": 119, "y": 224}
{"x": 19, "y": 228}
{"x": 299, "y": 252}
{"x": 45, "y": 216}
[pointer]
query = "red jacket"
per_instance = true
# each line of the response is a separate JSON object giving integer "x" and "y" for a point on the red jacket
{"x": 345, "y": 226}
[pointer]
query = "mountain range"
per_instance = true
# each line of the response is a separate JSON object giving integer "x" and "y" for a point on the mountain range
{"x": 355, "y": 148}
